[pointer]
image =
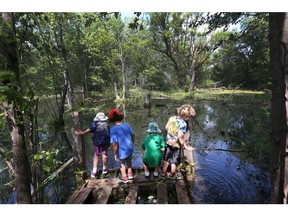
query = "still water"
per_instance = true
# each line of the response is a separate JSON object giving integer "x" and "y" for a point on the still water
{"x": 231, "y": 156}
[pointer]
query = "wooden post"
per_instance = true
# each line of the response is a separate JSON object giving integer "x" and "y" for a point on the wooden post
{"x": 147, "y": 102}
{"x": 78, "y": 141}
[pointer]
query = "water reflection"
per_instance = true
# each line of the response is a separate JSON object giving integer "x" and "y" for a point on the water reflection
{"x": 231, "y": 168}
{"x": 221, "y": 178}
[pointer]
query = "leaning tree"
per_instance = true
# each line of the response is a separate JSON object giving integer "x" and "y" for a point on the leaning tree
{"x": 278, "y": 41}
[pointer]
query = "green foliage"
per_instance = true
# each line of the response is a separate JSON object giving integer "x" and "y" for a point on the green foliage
{"x": 6, "y": 79}
{"x": 48, "y": 160}
{"x": 245, "y": 58}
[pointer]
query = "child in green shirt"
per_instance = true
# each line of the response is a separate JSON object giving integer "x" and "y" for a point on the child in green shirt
{"x": 153, "y": 147}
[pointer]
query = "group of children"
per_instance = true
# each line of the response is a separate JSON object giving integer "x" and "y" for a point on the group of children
{"x": 154, "y": 148}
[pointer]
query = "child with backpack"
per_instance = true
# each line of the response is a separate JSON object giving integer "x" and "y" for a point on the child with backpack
{"x": 122, "y": 138}
{"x": 152, "y": 147}
{"x": 101, "y": 141}
{"x": 176, "y": 128}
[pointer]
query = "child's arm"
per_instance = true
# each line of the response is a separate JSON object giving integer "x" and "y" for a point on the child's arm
{"x": 80, "y": 132}
{"x": 133, "y": 137}
{"x": 183, "y": 142}
{"x": 115, "y": 147}
{"x": 181, "y": 138}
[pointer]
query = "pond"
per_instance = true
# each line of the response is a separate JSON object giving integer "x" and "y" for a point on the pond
{"x": 231, "y": 142}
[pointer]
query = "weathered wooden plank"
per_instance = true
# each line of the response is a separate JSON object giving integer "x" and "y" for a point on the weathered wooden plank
{"x": 162, "y": 197}
{"x": 54, "y": 174}
{"x": 132, "y": 196}
{"x": 181, "y": 191}
{"x": 100, "y": 183}
{"x": 83, "y": 196}
{"x": 104, "y": 195}
{"x": 103, "y": 187}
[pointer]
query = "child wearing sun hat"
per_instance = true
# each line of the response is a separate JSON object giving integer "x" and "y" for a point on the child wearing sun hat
{"x": 101, "y": 141}
{"x": 152, "y": 148}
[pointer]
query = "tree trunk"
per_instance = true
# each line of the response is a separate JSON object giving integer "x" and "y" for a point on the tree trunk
{"x": 285, "y": 147}
{"x": 63, "y": 62}
{"x": 278, "y": 36}
{"x": 193, "y": 62}
{"x": 78, "y": 144}
{"x": 14, "y": 115}
{"x": 123, "y": 77}
{"x": 192, "y": 85}
{"x": 116, "y": 91}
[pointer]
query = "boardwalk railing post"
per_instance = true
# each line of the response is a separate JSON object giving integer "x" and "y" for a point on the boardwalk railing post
{"x": 78, "y": 141}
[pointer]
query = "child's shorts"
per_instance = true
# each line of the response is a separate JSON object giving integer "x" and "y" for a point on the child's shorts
{"x": 152, "y": 166}
{"x": 123, "y": 161}
{"x": 172, "y": 155}
{"x": 101, "y": 149}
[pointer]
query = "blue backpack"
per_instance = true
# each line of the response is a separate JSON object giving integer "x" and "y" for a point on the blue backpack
{"x": 101, "y": 133}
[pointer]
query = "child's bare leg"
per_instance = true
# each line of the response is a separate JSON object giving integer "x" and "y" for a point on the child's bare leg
{"x": 156, "y": 171}
{"x": 123, "y": 170}
{"x": 104, "y": 160}
{"x": 95, "y": 162}
{"x": 165, "y": 166}
{"x": 145, "y": 168}
{"x": 146, "y": 171}
{"x": 129, "y": 165}
{"x": 173, "y": 169}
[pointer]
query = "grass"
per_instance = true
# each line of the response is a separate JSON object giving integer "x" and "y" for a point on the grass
{"x": 137, "y": 96}
{"x": 224, "y": 95}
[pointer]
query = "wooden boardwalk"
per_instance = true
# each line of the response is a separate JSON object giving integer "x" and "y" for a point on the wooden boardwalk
{"x": 109, "y": 190}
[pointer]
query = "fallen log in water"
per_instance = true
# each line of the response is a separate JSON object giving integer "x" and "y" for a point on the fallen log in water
{"x": 219, "y": 149}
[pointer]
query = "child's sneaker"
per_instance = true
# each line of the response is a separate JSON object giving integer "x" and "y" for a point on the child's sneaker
{"x": 93, "y": 175}
{"x": 147, "y": 175}
{"x": 156, "y": 174}
{"x": 130, "y": 175}
{"x": 175, "y": 176}
{"x": 104, "y": 171}
{"x": 163, "y": 175}
{"x": 123, "y": 179}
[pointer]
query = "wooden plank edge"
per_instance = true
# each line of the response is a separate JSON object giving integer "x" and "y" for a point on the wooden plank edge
{"x": 132, "y": 196}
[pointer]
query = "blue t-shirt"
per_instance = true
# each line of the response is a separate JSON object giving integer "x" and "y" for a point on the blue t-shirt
{"x": 122, "y": 134}
{"x": 101, "y": 133}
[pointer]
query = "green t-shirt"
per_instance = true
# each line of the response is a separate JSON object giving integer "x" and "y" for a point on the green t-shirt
{"x": 152, "y": 144}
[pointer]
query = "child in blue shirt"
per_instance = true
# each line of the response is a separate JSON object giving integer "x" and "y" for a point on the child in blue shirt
{"x": 122, "y": 139}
